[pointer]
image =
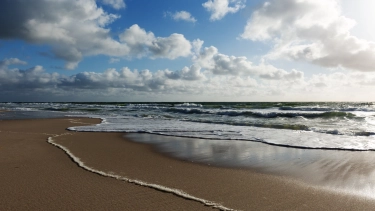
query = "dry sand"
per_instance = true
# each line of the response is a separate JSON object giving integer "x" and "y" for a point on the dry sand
{"x": 38, "y": 176}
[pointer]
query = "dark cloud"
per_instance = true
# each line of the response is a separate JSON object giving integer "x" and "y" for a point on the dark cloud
{"x": 75, "y": 29}
{"x": 35, "y": 84}
{"x": 64, "y": 25}
{"x": 37, "y": 78}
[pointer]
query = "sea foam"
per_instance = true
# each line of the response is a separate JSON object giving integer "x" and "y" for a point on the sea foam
{"x": 280, "y": 137}
{"x": 158, "y": 187}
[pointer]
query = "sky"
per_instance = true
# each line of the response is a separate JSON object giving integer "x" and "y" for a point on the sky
{"x": 187, "y": 50}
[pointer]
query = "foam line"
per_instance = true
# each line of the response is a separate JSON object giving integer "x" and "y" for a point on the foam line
{"x": 174, "y": 191}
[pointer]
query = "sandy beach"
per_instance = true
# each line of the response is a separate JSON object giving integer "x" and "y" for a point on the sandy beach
{"x": 36, "y": 175}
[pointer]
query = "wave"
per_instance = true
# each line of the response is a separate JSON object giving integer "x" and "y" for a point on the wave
{"x": 262, "y": 125}
{"x": 73, "y": 109}
{"x": 265, "y": 114}
{"x": 342, "y": 132}
{"x": 188, "y": 105}
{"x": 148, "y": 105}
{"x": 288, "y": 114}
{"x": 295, "y": 127}
{"x": 283, "y": 136}
{"x": 188, "y": 111}
{"x": 57, "y": 109}
{"x": 333, "y": 109}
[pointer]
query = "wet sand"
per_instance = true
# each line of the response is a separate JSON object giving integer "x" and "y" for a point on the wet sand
{"x": 34, "y": 175}
{"x": 339, "y": 170}
{"x": 37, "y": 175}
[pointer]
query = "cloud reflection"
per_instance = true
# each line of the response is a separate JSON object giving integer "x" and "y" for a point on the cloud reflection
{"x": 346, "y": 171}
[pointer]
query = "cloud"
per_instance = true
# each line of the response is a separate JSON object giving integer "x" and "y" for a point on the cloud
{"x": 283, "y": 75}
{"x": 220, "y": 8}
{"x": 144, "y": 80}
{"x": 197, "y": 46}
{"x": 124, "y": 79}
{"x": 64, "y": 25}
{"x": 113, "y": 60}
{"x": 191, "y": 73}
{"x": 75, "y": 29}
{"x": 116, "y": 4}
{"x": 170, "y": 47}
{"x": 143, "y": 43}
{"x": 36, "y": 83}
{"x": 220, "y": 64}
{"x": 11, "y": 61}
{"x": 30, "y": 79}
{"x": 310, "y": 30}
{"x": 135, "y": 80}
{"x": 189, "y": 83}
{"x": 183, "y": 16}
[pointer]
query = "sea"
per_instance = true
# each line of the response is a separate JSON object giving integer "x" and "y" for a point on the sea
{"x": 317, "y": 125}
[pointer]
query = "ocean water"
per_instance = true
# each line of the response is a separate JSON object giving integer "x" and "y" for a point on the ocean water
{"x": 324, "y": 125}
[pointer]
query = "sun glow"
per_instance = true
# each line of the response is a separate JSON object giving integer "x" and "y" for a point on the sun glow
{"x": 362, "y": 11}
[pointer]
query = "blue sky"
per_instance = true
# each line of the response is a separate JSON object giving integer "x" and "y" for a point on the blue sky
{"x": 181, "y": 50}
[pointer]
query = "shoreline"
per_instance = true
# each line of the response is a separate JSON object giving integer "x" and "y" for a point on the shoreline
{"x": 35, "y": 175}
{"x": 112, "y": 153}
{"x": 342, "y": 171}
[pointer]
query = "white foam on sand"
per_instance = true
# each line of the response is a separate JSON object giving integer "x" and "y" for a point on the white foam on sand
{"x": 162, "y": 188}
{"x": 279, "y": 137}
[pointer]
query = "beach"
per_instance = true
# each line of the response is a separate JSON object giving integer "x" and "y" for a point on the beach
{"x": 37, "y": 175}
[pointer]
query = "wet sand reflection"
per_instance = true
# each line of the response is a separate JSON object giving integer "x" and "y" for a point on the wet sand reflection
{"x": 349, "y": 171}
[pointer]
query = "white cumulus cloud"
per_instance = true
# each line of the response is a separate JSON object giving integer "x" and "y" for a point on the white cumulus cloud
{"x": 220, "y": 64}
{"x": 116, "y": 4}
{"x": 182, "y": 16}
{"x": 220, "y": 8}
{"x": 191, "y": 73}
{"x": 310, "y": 30}
{"x": 144, "y": 43}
